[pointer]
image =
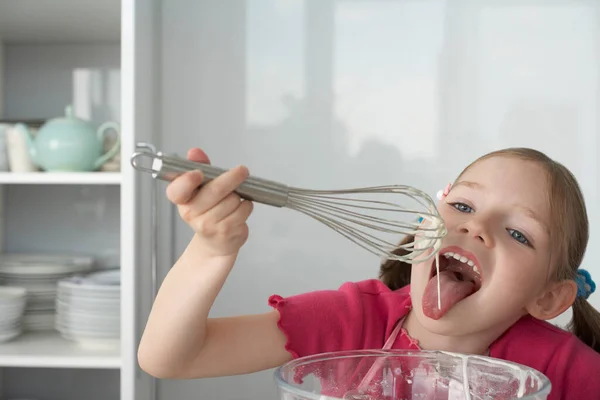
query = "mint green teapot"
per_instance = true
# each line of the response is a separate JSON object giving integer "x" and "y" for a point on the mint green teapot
{"x": 70, "y": 144}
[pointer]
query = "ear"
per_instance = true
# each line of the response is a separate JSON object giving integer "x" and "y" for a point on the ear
{"x": 555, "y": 299}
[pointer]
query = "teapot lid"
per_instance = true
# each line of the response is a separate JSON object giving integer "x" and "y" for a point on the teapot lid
{"x": 69, "y": 119}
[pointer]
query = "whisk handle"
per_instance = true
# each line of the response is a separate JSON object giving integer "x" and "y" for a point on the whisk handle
{"x": 167, "y": 168}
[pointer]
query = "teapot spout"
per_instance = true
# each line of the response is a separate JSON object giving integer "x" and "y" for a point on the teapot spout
{"x": 24, "y": 131}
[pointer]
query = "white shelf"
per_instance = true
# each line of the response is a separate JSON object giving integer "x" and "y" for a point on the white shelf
{"x": 60, "y": 178}
{"x": 50, "y": 350}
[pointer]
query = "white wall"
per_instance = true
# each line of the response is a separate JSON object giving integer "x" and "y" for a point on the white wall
{"x": 331, "y": 94}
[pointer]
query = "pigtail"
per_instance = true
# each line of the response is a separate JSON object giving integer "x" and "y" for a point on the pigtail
{"x": 586, "y": 323}
{"x": 396, "y": 274}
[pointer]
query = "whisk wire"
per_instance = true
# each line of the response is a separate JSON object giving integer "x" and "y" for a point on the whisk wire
{"x": 384, "y": 225}
{"x": 352, "y": 235}
{"x": 350, "y": 203}
{"x": 353, "y": 232}
{"x": 421, "y": 197}
{"x": 373, "y": 242}
{"x": 330, "y": 195}
{"x": 348, "y": 215}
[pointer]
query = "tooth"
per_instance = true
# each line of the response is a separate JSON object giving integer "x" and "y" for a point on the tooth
{"x": 456, "y": 256}
{"x": 475, "y": 269}
{"x": 447, "y": 255}
{"x": 470, "y": 263}
{"x": 463, "y": 259}
{"x": 450, "y": 254}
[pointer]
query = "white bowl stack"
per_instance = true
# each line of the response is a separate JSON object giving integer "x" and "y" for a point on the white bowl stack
{"x": 12, "y": 306}
{"x": 39, "y": 274}
{"x": 88, "y": 308}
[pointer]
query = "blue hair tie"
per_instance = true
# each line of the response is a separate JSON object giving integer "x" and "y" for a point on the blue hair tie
{"x": 585, "y": 285}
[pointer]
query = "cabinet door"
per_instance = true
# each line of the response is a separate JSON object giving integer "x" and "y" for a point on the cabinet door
{"x": 140, "y": 225}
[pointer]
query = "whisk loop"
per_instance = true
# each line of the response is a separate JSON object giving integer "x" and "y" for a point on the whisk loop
{"x": 362, "y": 215}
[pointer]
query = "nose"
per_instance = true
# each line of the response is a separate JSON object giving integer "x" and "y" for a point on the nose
{"x": 476, "y": 229}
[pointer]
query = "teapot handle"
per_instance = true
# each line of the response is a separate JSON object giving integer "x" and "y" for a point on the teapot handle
{"x": 101, "y": 137}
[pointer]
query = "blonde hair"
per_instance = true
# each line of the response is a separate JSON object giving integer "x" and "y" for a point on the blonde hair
{"x": 569, "y": 238}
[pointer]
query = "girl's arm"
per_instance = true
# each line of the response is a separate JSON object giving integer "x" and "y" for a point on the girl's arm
{"x": 180, "y": 341}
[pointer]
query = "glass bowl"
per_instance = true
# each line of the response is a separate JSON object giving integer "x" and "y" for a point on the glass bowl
{"x": 407, "y": 374}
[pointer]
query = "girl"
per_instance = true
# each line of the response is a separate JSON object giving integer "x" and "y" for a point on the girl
{"x": 517, "y": 233}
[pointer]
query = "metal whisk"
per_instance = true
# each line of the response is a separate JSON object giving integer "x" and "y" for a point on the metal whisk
{"x": 361, "y": 215}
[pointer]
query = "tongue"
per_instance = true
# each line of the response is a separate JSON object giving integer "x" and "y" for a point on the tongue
{"x": 452, "y": 290}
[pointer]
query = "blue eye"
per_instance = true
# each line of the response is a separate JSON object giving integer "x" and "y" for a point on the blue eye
{"x": 462, "y": 207}
{"x": 518, "y": 236}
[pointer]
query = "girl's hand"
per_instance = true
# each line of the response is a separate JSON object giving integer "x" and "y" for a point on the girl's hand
{"x": 213, "y": 211}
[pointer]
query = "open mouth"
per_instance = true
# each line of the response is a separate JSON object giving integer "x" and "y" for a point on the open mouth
{"x": 459, "y": 277}
{"x": 462, "y": 267}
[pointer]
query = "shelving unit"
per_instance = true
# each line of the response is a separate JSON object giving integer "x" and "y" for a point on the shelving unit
{"x": 55, "y": 53}
{"x": 66, "y": 178}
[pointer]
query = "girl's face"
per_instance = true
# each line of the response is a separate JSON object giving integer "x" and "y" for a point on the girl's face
{"x": 497, "y": 216}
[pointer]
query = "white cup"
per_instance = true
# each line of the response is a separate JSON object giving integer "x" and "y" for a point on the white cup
{"x": 18, "y": 153}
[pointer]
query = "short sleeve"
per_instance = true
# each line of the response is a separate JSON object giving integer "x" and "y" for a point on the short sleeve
{"x": 356, "y": 316}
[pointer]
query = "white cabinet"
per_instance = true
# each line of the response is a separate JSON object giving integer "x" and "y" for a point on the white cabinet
{"x": 86, "y": 54}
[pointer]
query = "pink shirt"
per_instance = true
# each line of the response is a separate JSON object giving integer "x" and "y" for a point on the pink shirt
{"x": 363, "y": 315}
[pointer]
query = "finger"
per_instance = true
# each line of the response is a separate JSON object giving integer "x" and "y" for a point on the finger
{"x": 198, "y": 155}
{"x": 182, "y": 189}
{"x": 229, "y": 227}
{"x": 222, "y": 209}
{"x": 240, "y": 215}
{"x": 245, "y": 209}
{"x": 216, "y": 190}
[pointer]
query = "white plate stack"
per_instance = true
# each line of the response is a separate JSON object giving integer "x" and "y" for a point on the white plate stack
{"x": 12, "y": 306}
{"x": 88, "y": 308}
{"x": 39, "y": 274}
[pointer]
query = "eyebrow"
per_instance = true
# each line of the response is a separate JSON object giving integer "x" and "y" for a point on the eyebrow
{"x": 529, "y": 212}
{"x": 526, "y": 210}
{"x": 472, "y": 185}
